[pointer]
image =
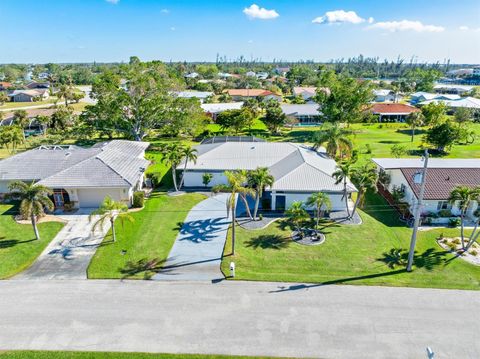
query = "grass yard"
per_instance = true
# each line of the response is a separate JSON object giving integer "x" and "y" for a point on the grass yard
{"x": 365, "y": 254}
{"x": 15, "y": 105}
{"x": 142, "y": 245}
{"x": 18, "y": 246}
{"x": 106, "y": 355}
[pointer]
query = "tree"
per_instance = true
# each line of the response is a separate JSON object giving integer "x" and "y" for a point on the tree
{"x": 11, "y": 137}
{"x": 183, "y": 115}
{"x": 234, "y": 187}
{"x": 398, "y": 150}
{"x": 44, "y": 122}
{"x": 463, "y": 115}
{"x": 34, "y": 198}
{"x": 110, "y": 210}
{"x": 424, "y": 79}
{"x": 207, "y": 178}
{"x": 415, "y": 119}
{"x": 434, "y": 113}
{"x": 341, "y": 175}
{"x": 336, "y": 138}
{"x": 274, "y": 116}
{"x": 258, "y": 179}
{"x": 253, "y": 105}
{"x": 3, "y": 98}
{"x": 20, "y": 119}
{"x": 236, "y": 120}
{"x": 346, "y": 99}
{"x": 62, "y": 117}
{"x": 172, "y": 155}
{"x": 66, "y": 92}
{"x": 189, "y": 154}
{"x": 365, "y": 178}
{"x": 320, "y": 201}
{"x": 464, "y": 196}
{"x": 297, "y": 214}
{"x": 442, "y": 136}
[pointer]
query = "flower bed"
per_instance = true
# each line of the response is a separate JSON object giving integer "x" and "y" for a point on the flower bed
{"x": 454, "y": 245}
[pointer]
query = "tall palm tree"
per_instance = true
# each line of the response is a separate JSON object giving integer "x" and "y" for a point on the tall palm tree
{"x": 110, "y": 210}
{"x": 365, "y": 178}
{"x": 3, "y": 98}
{"x": 235, "y": 187}
{"x": 65, "y": 91}
{"x": 464, "y": 196}
{"x": 189, "y": 154}
{"x": 258, "y": 179}
{"x": 297, "y": 214}
{"x": 336, "y": 138}
{"x": 171, "y": 154}
{"x": 34, "y": 199}
{"x": 415, "y": 119}
{"x": 341, "y": 175}
{"x": 320, "y": 201}
{"x": 20, "y": 119}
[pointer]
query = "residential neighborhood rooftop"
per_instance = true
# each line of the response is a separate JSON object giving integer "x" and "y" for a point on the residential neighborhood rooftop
{"x": 392, "y": 109}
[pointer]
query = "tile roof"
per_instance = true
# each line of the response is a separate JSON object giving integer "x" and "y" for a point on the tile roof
{"x": 397, "y": 163}
{"x": 441, "y": 181}
{"x": 392, "y": 108}
{"x": 249, "y": 92}
{"x": 116, "y": 163}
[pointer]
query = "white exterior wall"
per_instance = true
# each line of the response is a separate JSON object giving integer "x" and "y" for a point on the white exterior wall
{"x": 4, "y": 186}
{"x": 93, "y": 197}
{"x": 337, "y": 203}
{"x": 194, "y": 179}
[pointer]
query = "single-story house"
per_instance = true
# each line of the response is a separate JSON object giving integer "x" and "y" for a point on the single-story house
{"x": 262, "y": 75}
{"x": 282, "y": 71}
{"x": 81, "y": 176}
{"x": 443, "y": 175}
{"x": 5, "y": 85}
{"x": 305, "y": 92}
{"x": 250, "y": 74}
{"x": 298, "y": 170}
{"x": 213, "y": 109}
{"x": 33, "y": 126}
{"x": 467, "y": 102}
{"x": 422, "y": 96}
{"x": 244, "y": 94}
{"x": 201, "y": 95}
{"x": 304, "y": 113}
{"x": 192, "y": 75}
{"x": 385, "y": 95}
{"x": 37, "y": 85}
{"x": 29, "y": 95}
{"x": 452, "y": 89}
{"x": 391, "y": 112}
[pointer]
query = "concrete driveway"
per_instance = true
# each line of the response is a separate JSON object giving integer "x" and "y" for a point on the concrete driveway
{"x": 242, "y": 318}
{"x": 198, "y": 248}
{"x": 69, "y": 253}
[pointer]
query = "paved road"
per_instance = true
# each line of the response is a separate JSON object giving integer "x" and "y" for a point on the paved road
{"x": 239, "y": 318}
{"x": 197, "y": 251}
{"x": 69, "y": 253}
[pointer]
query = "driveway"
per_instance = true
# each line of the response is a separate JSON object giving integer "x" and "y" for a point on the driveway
{"x": 198, "y": 248}
{"x": 241, "y": 318}
{"x": 69, "y": 253}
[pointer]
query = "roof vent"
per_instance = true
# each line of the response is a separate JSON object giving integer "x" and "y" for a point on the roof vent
{"x": 68, "y": 154}
{"x": 417, "y": 177}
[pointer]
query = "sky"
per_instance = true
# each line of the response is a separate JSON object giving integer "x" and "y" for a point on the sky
{"x": 41, "y": 31}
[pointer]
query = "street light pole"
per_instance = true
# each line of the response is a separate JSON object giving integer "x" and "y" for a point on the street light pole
{"x": 417, "y": 213}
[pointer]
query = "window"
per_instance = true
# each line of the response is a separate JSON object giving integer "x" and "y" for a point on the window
{"x": 443, "y": 205}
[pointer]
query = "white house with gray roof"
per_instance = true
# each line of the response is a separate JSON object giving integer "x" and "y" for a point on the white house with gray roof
{"x": 81, "y": 176}
{"x": 298, "y": 170}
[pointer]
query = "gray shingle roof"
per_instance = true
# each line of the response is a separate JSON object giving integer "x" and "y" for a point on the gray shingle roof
{"x": 116, "y": 163}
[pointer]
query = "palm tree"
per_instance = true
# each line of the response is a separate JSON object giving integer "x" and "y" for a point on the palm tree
{"x": 258, "y": 179}
{"x": 189, "y": 154}
{"x": 110, "y": 210}
{"x": 464, "y": 196}
{"x": 44, "y": 122}
{"x": 11, "y": 136}
{"x": 336, "y": 139}
{"x": 365, "y": 178}
{"x": 415, "y": 119}
{"x": 235, "y": 187}
{"x": 3, "y": 98}
{"x": 172, "y": 155}
{"x": 320, "y": 201}
{"x": 344, "y": 170}
{"x": 65, "y": 91}
{"x": 297, "y": 214}
{"x": 20, "y": 119}
{"x": 34, "y": 199}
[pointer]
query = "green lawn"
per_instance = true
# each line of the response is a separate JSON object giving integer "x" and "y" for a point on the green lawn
{"x": 146, "y": 242}
{"x": 361, "y": 254}
{"x": 106, "y": 355}
{"x": 15, "y": 105}
{"x": 18, "y": 246}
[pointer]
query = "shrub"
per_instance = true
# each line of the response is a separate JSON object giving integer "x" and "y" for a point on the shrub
{"x": 454, "y": 222}
{"x": 260, "y": 216}
{"x": 452, "y": 246}
{"x": 456, "y": 241}
{"x": 473, "y": 252}
{"x": 445, "y": 213}
{"x": 138, "y": 199}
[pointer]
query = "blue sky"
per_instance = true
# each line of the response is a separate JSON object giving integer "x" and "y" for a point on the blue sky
{"x": 112, "y": 30}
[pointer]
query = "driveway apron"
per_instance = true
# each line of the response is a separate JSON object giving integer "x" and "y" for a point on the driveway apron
{"x": 69, "y": 253}
{"x": 198, "y": 248}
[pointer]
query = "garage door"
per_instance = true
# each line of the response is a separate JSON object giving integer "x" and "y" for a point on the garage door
{"x": 89, "y": 198}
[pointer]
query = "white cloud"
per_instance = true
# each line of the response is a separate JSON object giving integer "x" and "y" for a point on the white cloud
{"x": 256, "y": 12}
{"x": 115, "y": 2}
{"x": 165, "y": 11}
{"x": 406, "y": 25}
{"x": 463, "y": 28}
{"x": 340, "y": 17}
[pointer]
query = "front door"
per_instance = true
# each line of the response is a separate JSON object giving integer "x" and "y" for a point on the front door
{"x": 58, "y": 199}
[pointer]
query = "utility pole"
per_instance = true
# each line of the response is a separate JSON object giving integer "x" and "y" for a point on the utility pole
{"x": 417, "y": 213}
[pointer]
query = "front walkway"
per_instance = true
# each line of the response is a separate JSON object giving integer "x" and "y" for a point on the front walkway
{"x": 69, "y": 253}
{"x": 198, "y": 249}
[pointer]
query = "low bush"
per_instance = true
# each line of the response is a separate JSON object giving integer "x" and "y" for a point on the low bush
{"x": 445, "y": 213}
{"x": 456, "y": 241}
{"x": 474, "y": 252}
{"x": 138, "y": 199}
{"x": 454, "y": 222}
